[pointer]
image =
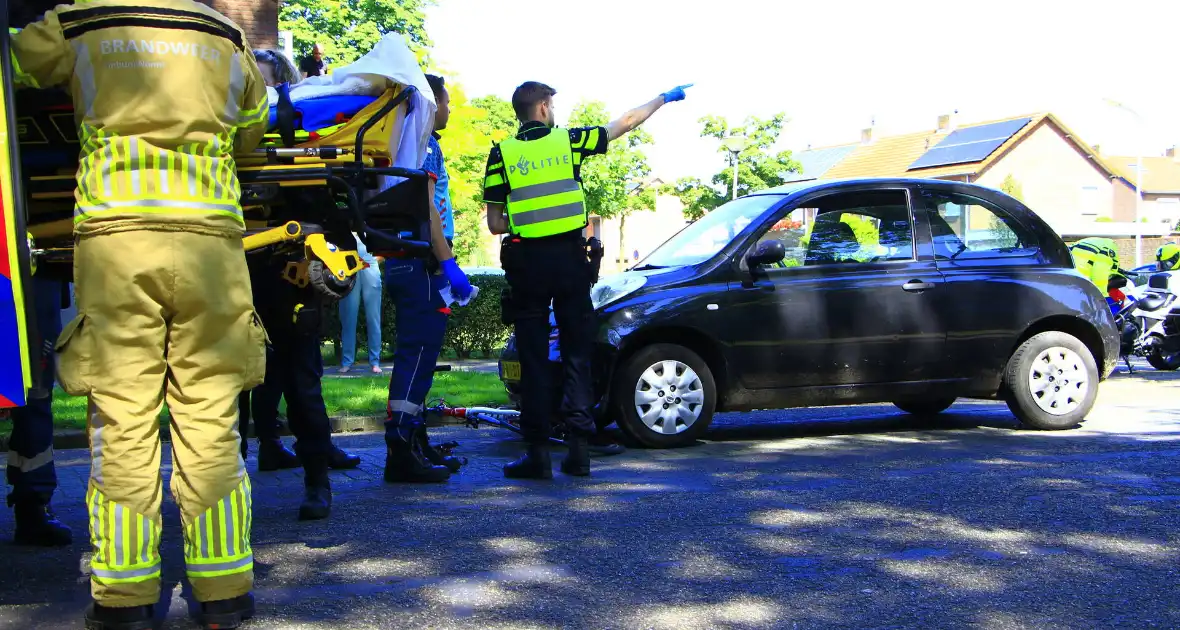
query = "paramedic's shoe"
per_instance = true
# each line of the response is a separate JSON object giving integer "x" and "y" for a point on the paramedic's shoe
{"x": 272, "y": 455}
{"x": 317, "y": 490}
{"x": 339, "y": 459}
{"x": 406, "y": 462}
{"x": 226, "y": 614}
{"x": 577, "y": 463}
{"x": 536, "y": 464}
{"x": 451, "y": 462}
{"x": 36, "y": 526}
{"x": 99, "y": 617}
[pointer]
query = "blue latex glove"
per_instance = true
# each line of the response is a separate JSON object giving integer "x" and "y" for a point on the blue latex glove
{"x": 460, "y": 285}
{"x": 676, "y": 93}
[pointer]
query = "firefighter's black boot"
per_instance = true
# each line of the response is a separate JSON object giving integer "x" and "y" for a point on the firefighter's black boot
{"x": 272, "y": 455}
{"x": 339, "y": 459}
{"x": 100, "y": 617}
{"x": 317, "y": 498}
{"x": 36, "y": 526}
{"x": 406, "y": 461}
{"x": 226, "y": 614}
{"x": 577, "y": 462}
{"x": 535, "y": 464}
{"x": 451, "y": 462}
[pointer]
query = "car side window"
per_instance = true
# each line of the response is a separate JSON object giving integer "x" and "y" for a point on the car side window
{"x": 857, "y": 227}
{"x": 963, "y": 226}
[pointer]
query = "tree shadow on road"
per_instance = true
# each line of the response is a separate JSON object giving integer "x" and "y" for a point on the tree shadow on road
{"x": 857, "y": 517}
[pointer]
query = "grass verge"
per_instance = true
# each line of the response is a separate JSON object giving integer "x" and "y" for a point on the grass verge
{"x": 357, "y": 396}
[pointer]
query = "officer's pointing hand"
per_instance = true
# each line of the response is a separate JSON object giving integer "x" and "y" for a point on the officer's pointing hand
{"x": 676, "y": 93}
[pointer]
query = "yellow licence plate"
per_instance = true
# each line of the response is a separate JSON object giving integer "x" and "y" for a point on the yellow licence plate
{"x": 511, "y": 371}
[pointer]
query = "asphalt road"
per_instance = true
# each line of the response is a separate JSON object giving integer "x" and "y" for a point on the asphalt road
{"x": 852, "y": 517}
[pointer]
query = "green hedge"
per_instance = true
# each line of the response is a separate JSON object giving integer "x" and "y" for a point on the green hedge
{"x": 472, "y": 328}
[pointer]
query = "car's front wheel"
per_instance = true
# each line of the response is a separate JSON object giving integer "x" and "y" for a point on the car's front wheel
{"x": 1051, "y": 381}
{"x": 666, "y": 396}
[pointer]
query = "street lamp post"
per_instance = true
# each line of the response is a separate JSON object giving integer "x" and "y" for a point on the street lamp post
{"x": 735, "y": 145}
{"x": 1138, "y": 181}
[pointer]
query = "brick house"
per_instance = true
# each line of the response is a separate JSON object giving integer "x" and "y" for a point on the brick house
{"x": 258, "y": 18}
{"x": 1067, "y": 182}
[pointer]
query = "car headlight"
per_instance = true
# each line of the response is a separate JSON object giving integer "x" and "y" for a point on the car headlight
{"x": 614, "y": 288}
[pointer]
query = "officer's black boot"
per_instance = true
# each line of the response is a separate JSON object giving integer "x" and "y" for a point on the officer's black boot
{"x": 535, "y": 464}
{"x": 317, "y": 498}
{"x": 577, "y": 462}
{"x": 405, "y": 460}
{"x": 37, "y": 527}
{"x": 225, "y": 614}
{"x": 434, "y": 457}
{"x": 100, "y": 617}
{"x": 272, "y": 455}
{"x": 339, "y": 459}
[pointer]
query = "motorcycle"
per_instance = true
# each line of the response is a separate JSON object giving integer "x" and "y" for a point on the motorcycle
{"x": 1148, "y": 320}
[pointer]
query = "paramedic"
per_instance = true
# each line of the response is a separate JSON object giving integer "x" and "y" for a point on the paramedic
{"x": 534, "y": 194}
{"x": 421, "y": 324}
{"x": 162, "y": 290}
{"x": 30, "y": 454}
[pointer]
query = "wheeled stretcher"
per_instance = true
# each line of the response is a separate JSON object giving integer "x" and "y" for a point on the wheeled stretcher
{"x": 302, "y": 188}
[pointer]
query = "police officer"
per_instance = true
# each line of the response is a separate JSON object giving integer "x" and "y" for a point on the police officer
{"x": 1096, "y": 258}
{"x": 1167, "y": 257}
{"x": 533, "y": 193}
{"x": 30, "y": 455}
{"x": 163, "y": 91}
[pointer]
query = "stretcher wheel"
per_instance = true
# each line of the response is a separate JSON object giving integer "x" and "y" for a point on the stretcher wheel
{"x": 327, "y": 285}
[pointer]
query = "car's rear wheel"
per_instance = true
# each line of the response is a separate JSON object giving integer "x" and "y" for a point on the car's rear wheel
{"x": 1161, "y": 360}
{"x": 665, "y": 395}
{"x": 928, "y": 407}
{"x": 1051, "y": 381}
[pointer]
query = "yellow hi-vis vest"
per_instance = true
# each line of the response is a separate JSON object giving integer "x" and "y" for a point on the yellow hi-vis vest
{"x": 1097, "y": 259}
{"x": 544, "y": 199}
{"x": 162, "y": 91}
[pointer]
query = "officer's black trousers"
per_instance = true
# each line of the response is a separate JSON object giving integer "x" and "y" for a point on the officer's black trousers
{"x": 294, "y": 366}
{"x": 541, "y": 271}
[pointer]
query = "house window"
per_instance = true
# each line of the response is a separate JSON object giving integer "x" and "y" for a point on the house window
{"x": 1089, "y": 202}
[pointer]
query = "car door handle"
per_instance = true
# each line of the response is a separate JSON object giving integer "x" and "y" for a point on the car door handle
{"x": 917, "y": 286}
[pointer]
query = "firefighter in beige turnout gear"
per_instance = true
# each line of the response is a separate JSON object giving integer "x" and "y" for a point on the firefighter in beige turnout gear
{"x": 163, "y": 91}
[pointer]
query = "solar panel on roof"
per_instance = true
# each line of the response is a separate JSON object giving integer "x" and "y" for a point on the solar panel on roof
{"x": 972, "y": 144}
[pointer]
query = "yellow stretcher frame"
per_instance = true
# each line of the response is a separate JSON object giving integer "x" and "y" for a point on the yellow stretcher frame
{"x": 346, "y": 159}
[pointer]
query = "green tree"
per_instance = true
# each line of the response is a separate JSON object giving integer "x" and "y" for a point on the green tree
{"x": 347, "y": 29}
{"x": 759, "y": 167}
{"x": 1012, "y": 187}
{"x": 474, "y": 125}
{"x": 615, "y": 183}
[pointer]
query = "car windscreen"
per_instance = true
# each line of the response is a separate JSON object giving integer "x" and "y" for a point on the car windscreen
{"x": 705, "y": 237}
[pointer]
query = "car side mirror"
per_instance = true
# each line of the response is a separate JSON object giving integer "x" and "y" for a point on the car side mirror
{"x": 768, "y": 253}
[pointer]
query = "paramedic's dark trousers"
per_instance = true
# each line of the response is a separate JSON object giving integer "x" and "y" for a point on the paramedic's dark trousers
{"x": 419, "y": 328}
{"x": 294, "y": 366}
{"x": 30, "y": 455}
{"x": 543, "y": 270}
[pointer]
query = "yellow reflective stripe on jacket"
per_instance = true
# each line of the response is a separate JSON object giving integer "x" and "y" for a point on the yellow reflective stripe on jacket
{"x": 126, "y": 543}
{"x": 218, "y": 541}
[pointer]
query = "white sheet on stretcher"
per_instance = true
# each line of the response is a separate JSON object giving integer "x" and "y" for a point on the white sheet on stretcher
{"x": 389, "y": 62}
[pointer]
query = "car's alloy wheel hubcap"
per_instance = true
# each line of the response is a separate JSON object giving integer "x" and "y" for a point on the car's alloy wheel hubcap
{"x": 669, "y": 397}
{"x": 1058, "y": 381}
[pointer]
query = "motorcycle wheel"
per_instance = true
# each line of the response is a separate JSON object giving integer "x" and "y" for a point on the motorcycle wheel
{"x": 1163, "y": 360}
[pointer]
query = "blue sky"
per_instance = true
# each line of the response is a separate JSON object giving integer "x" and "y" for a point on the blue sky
{"x": 831, "y": 66}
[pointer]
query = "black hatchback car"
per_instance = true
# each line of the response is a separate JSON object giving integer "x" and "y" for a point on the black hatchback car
{"x": 914, "y": 292}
